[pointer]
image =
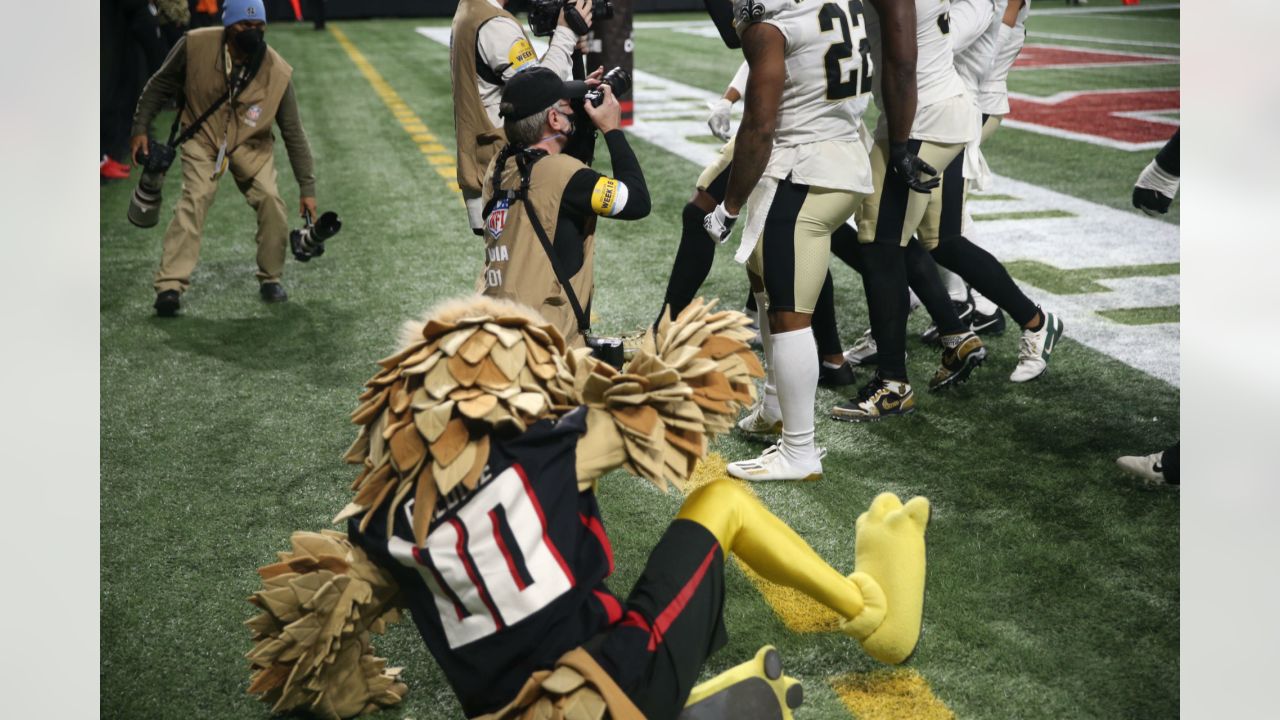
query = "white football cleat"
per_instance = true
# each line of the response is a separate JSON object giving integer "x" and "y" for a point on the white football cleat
{"x": 1035, "y": 347}
{"x": 758, "y": 424}
{"x": 773, "y": 464}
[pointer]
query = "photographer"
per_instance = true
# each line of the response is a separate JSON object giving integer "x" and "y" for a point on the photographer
{"x": 488, "y": 47}
{"x": 541, "y": 202}
{"x": 234, "y": 89}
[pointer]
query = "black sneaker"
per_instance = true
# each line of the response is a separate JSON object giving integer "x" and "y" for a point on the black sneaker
{"x": 167, "y": 303}
{"x": 992, "y": 324}
{"x": 272, "y": 292}
{"x": 964, "y": 311}
{"x": 877, "y": 399}
{"x": 842, "y": 376}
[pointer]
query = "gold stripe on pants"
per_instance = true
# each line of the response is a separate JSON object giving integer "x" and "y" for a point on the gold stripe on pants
{"x": 916, "y": 203}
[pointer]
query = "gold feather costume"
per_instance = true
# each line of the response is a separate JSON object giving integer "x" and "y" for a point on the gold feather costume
{"x": 472, "y": 369}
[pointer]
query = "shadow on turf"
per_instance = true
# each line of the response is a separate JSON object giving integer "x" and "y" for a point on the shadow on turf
{"x": 287, "y": 335}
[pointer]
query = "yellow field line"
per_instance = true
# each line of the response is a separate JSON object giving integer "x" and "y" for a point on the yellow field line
{"x": 889, "y": 695}
{"x": 884, "y": 694}
{"x": 437, "y": 155}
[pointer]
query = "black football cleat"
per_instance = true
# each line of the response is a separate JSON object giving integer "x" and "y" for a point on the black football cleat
{"x": 993, "y": 324}
{"x": 842, "y": 376}
{"x": 754, "y": 690}
{"x": 272, "y": 292}
{"x": 167, "y": 303}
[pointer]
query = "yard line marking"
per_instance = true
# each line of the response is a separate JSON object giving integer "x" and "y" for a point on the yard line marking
{"x": 435, "y": 154}
{"x": 1097, "y": 235}
{"x": 1104, "y": 41}
{"x": 1109, "y": 10}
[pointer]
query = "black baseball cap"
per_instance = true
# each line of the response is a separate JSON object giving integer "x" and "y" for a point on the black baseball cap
{"x": 534, "y": 90}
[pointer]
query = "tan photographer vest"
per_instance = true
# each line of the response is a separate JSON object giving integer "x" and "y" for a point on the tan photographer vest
{"x": 245, "y": 119}
{"x": 516, "y": 266}
{"x": 477, "y": 139}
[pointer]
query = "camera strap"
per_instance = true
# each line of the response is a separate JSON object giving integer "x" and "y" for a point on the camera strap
{"x": 524, "y": 162}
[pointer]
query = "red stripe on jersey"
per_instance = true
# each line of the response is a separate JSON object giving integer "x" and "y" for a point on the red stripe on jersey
{"x": 677, "y": 605}
{"x": 593, "y": 524}
{"x": 506, "y": 552}
{"x": 612, "y": 608}
{"x": 458, "y": 608}
{"x": 467, "y": 565}
{"x": 537, "y": 506}
{"x": 635, "y": 619}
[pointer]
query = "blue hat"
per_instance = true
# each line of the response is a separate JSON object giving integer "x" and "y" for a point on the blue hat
{"x": 236, "y": 10}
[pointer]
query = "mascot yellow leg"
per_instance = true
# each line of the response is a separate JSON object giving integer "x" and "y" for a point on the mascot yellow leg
{"x": 754, "y": 690}
{"x": 882, "y": 601}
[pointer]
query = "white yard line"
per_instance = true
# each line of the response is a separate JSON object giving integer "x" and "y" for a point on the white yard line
{"x": 1104, "y": 41}
{"x": 1122, "y": 10}
{"x": 1095, "y": 235}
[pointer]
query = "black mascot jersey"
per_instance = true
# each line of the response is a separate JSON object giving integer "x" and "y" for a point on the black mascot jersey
{"x": 512, "y": 573}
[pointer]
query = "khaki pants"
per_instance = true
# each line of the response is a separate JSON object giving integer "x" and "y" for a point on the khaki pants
{"x": 181, "y": 245}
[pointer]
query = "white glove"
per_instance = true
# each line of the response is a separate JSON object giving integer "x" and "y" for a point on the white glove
{"x": 718, "y": 120}
{"x": 719, "y": 223}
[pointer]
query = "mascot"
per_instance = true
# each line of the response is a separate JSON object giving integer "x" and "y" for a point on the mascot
{"x": 481, "y": 444}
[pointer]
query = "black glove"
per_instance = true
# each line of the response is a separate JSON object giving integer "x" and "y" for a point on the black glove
{"x": 908, "y": 166}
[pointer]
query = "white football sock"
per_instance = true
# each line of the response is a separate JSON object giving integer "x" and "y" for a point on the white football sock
{"x": 794, "y": 354}
{"x": 770, "y": 399}
{"x": 956, "y": 288}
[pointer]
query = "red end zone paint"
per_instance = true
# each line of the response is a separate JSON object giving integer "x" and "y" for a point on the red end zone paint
{"x": 1048, "y": 57}
{"x": 1121, "y": 119}
{"x": 628, "y": 112}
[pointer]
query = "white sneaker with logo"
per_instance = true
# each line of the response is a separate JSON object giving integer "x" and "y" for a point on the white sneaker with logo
{"x": 1148, "y": 467}
{"x": 758, "y": 423}
{"x": 774, "y": 464}
{"x": 1035, "y": 347}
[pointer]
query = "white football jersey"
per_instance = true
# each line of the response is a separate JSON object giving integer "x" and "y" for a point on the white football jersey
{"x": 993, "y": 96}
{"x": 936, "y": 76}
{"x": 975, "y": 61}
{"x": 826, "y": 67}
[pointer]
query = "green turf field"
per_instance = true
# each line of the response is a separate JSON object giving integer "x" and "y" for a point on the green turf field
{"x": 1053, "y": 587}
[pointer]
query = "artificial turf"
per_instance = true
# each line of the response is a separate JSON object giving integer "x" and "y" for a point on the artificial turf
{"x": 1053, "y": 580}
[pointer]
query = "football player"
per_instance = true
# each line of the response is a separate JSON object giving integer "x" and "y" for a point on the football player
{"x": 939, "y": 127}
{"x": 996, "y": 48}
{"x": 800, "y": 170}
{"x": 696, "y": 253}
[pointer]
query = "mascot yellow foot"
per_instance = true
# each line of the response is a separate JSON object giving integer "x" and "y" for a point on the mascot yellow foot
{"x": 754, "y": 690}
{"x": 890, "y": 570}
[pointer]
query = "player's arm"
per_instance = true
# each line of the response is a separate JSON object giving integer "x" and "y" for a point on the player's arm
{"x": 718, "y": 120}
{"x": 764, "y": 47}
{"x": 898, "y": 89}
{"x": 626, "y": 196}
{"x": 969, "y": 19}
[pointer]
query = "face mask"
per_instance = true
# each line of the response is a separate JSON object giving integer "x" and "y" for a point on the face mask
{"x": 249, "y": 41}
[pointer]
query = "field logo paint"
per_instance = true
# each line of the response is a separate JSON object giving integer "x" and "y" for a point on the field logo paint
{"x": 1119, "y": 119}
{"x": 1063, "y": 57}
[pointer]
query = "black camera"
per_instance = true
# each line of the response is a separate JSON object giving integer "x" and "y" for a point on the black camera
{"x": 545, "y": 14}
{"x": 144, "y": 206}
{"x": 308, "y": 242}
{"x": 617, "y": 78}
{"x": 607, "y": 349}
